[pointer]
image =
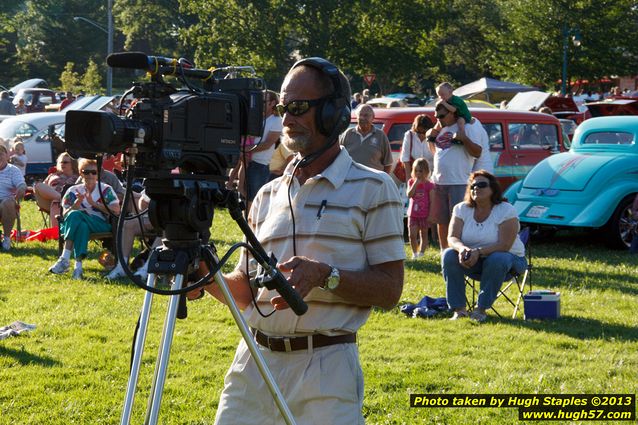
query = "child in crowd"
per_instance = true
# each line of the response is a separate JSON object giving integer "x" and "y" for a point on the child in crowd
{"x": 19, "y": 157}
{"x": 21, "y": 108}
{"x": 454, "y": 104}
{"x": 420, "y": 194}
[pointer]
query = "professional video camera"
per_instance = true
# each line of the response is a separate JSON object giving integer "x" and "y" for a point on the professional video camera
{"x": 198, "y": 130}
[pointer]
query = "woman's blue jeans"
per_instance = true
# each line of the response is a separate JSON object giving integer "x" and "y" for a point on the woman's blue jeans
{"x": 491, "y": 271}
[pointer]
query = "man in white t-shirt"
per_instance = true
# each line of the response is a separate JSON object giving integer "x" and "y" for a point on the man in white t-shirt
{"x": 454, "y": 156}
{"x": 258, "y": 171}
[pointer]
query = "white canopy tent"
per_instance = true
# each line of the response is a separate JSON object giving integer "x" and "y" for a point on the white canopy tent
{"x": 491, "y": 90}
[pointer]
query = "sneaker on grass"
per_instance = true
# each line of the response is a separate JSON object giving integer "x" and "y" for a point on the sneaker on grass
{"x": 117, "y": 273}
{"x": 60, "y": 266}
{"x": 6, "y": 244}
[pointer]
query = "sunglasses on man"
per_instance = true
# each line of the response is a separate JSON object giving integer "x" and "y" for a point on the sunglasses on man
{"x": 440, "y": 116}
{"x": 297, "y": 107}
{"x": 87, "y": 172}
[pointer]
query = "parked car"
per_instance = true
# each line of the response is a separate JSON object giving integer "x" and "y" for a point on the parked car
{"x": 33, "y": 130}
{"x": 518, "y": 140}
{"x": 409, "y": 98}
{"x": 592, "y": 186}
{"x": 386, "y": 102}
{"x": 562, "y": 107}
{"x": 32, "y": 83}
{"x": 626, "y": 106}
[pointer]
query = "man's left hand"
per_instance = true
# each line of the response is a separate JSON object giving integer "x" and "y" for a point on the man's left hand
{"x": 305, "y": 274}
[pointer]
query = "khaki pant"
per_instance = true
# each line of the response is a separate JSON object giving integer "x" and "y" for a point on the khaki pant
{"x": 323, "y": 386}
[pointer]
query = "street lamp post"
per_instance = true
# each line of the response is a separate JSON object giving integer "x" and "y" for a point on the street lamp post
{"x": 109, "y": 46}
{"x": 576, "y": 40}
{"x": 109, "y": 41}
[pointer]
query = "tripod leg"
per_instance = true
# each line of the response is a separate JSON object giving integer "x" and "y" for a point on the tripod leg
{"x": 254, "y": 351}
{"x": 155, "y": 398}
{"x": 137, "y": 355}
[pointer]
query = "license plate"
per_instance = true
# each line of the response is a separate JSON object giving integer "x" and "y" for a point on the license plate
{"x": 536, "y": 211}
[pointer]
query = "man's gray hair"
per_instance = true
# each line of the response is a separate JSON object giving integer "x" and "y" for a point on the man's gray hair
{"x": 362, "y": 106}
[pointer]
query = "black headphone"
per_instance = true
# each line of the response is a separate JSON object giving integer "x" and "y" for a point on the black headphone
{"x": 333, "y": 115}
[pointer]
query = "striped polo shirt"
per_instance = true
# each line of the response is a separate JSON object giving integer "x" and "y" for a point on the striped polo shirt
{"x": 348, "y": 216}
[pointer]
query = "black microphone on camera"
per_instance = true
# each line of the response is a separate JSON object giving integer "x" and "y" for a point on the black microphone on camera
{"x": 139, "y": 60}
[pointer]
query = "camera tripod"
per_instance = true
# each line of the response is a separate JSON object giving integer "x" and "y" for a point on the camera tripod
{"x": 176, "y": 258}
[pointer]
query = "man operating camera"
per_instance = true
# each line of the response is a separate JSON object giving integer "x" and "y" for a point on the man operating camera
{"x": 339, "y": 240}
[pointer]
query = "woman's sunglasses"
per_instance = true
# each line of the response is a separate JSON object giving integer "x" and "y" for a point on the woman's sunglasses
{"x": 87, "y": 172}
{"x": 298, "y": 107}
{"x": 479, "y": 185}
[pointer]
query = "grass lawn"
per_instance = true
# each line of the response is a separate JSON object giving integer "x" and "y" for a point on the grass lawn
{"x": 73, "y": 368}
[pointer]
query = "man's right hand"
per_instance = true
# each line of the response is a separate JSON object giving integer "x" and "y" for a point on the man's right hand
{"x": 305, "y": 274}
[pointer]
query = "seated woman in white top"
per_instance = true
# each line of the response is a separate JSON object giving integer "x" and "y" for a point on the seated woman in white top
{"x": 483, "y": 244}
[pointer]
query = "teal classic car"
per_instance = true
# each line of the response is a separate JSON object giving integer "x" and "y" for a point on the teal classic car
{"x": 591, "y": 186}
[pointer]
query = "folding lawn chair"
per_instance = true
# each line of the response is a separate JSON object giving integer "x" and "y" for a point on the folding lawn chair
{"x": 516, "y": 281}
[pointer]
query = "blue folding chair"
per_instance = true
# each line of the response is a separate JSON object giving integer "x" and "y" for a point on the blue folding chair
{"x": 516, "y": 280}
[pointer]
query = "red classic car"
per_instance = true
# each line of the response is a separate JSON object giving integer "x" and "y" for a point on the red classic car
{"x": 518, "y": 140}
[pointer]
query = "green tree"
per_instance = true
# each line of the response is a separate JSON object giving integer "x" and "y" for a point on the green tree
{"x": 152, "y": 26}
{"x": 532, "y": 51}
{"x": 463, "y": 40}
{"x": 383, "y": 37}
{"x": 48, "y": 37}
{"x": 92, "y": 80}
{"x": 11, "y": 71}
{"x": 69, "y": 79}
{"x": 238, "y": 32}
{"x": 393, "y": 40}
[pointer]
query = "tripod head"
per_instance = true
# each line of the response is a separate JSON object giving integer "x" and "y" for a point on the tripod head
{"x": 183, "y": 209}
